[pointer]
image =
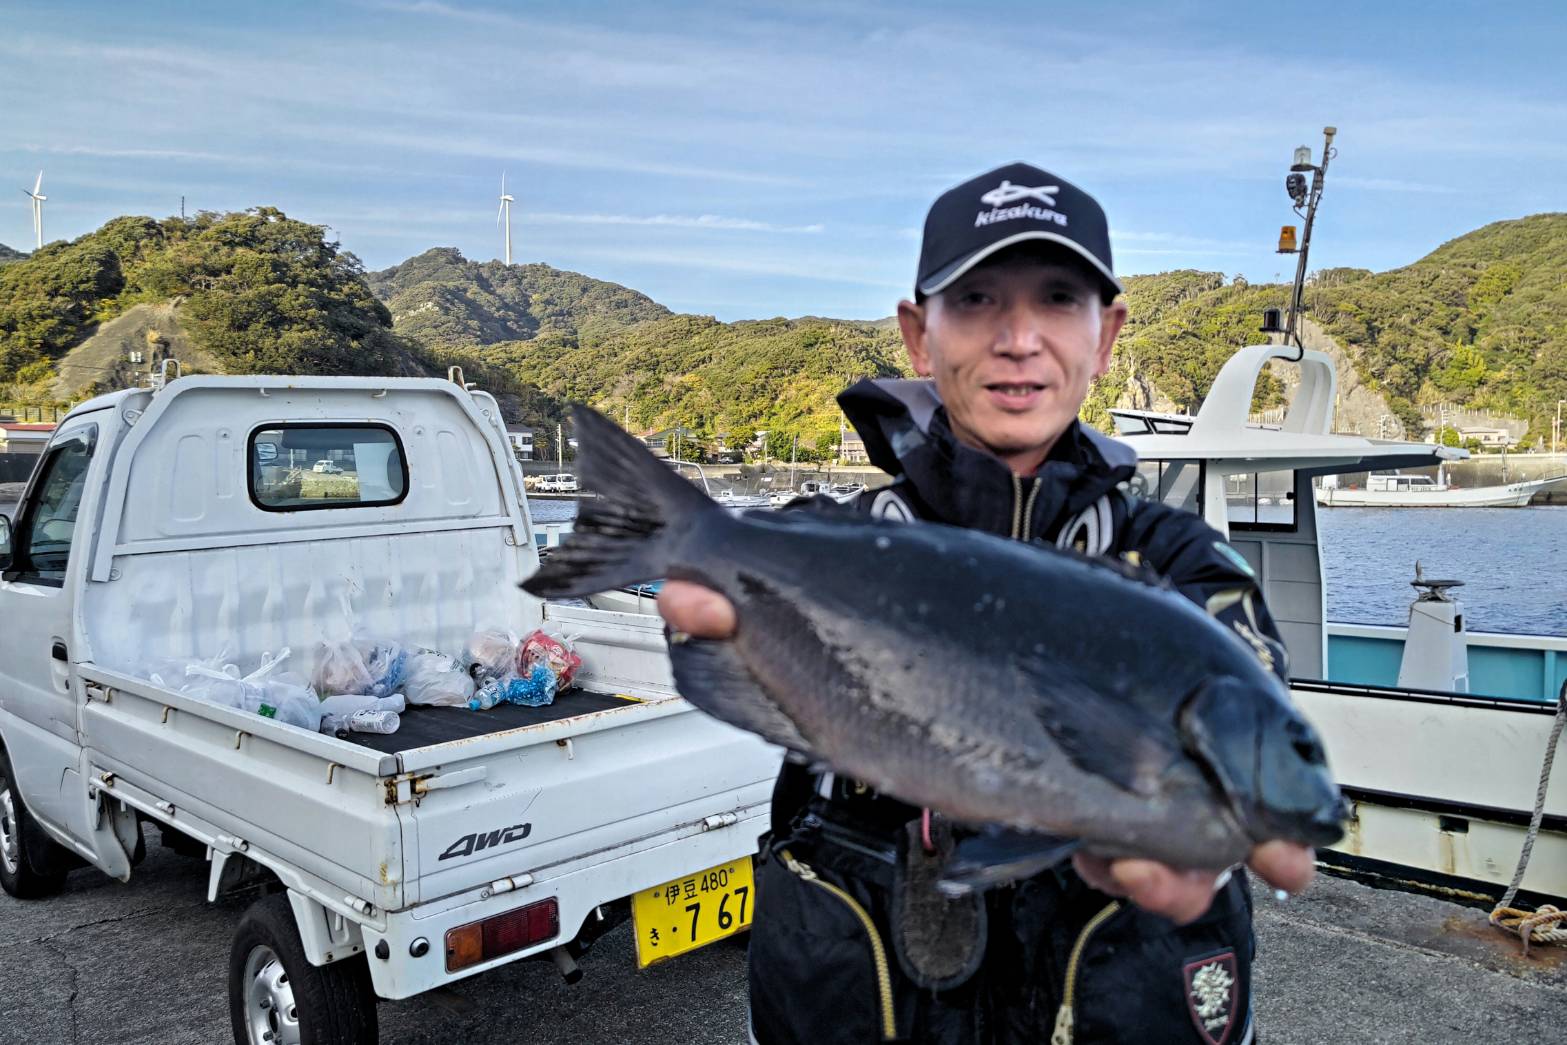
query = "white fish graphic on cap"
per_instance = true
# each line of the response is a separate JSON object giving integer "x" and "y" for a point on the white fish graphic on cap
{"x": 1006, "y": 193}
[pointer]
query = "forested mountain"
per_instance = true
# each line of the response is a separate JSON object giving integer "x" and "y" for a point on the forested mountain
{"x": 441, "y": 298}
{"x": 1480, "y": 322}
{"x": 7, "y": 254}
{"x": 259, "y": 292}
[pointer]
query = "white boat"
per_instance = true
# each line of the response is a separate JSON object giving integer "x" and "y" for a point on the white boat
{"x": 1442, "y": 779}
{"x": 1396, "y": 490}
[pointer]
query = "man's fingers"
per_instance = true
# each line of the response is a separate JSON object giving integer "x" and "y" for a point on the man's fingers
{"x": 696, "y": 610}
{"x": 1284, "y": 865}
{"x": 1180, "y": 896}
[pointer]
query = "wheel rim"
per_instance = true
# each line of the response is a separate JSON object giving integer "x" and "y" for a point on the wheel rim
{"x": 270, "y": 1013}
{"x": 10, "y": 833}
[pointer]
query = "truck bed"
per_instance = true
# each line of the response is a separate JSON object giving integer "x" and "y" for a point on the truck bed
{"x": 429, "y": 726}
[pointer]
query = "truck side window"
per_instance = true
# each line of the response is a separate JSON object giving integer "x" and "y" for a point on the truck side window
{"x": 298, "y": 467}
{"x": 42, "y": 543}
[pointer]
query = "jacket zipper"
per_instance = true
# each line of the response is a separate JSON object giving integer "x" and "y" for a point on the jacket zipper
{"x": 1062, "y": 1034}
{"x": 889, "y": 1025}
{"x": 1023, "y": 512}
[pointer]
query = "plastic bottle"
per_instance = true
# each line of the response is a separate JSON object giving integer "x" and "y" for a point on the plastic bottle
{"x": 374, "y": 722}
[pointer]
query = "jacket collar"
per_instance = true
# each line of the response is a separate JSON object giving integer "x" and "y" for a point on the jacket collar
{"x": 907, "y": 435}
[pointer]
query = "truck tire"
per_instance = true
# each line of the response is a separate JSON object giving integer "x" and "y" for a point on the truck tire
{"x": 276, "y": 997}
{"x": 32, "y": 865}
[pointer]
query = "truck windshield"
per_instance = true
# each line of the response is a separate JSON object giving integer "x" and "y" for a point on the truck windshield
{"x": 302, "y": 467}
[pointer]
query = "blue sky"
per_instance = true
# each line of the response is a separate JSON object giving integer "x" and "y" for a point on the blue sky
{"x": 749, "y": 161}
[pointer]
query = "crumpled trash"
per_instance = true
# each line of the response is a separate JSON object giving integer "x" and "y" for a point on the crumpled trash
{"x": 284, "y": 696}
{"x": 387, "y": 664}
{"x": 341, "y": 668}
{"x": 534, "y": 690}
{"x": 552, "y": 651}
{"x": 436, "y": 679}
{"x": 491, "y": 653}
{"x": 340, "y": 712}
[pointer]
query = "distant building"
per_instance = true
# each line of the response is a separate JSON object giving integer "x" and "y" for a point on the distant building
{"x": 666, "y": 441}
{"x": 521, "y": 439}
{"x": 1490, "y": 437}
{"x": 17, "y": 438}
{"x": 851, "y": 448}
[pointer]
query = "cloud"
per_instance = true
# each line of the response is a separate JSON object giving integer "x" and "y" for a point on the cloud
{"x": 680, "y": 221}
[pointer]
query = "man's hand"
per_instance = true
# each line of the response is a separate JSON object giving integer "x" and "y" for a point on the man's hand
{"x": 1184, "y": 896}
{"x": 696, "y": 610}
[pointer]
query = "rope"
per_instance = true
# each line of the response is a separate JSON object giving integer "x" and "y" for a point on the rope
{"x": 1533, "y": 926}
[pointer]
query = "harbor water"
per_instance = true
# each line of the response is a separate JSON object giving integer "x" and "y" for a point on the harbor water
{"x": 1513, "y": 562}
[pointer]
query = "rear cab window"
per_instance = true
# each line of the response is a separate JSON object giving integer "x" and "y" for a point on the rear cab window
{"x": 311, "y": 466}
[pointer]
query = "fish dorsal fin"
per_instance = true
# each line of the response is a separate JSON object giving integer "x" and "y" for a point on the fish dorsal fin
{"x": 711, "y": 675}
{"x": 1102, "y": 735}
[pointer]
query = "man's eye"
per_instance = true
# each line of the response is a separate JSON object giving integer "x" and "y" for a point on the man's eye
{"x": 973, "y": 298}
{"x": 1065, "y": 297}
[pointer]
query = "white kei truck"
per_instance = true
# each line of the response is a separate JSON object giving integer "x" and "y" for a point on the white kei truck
{"x": 191, "y": 520}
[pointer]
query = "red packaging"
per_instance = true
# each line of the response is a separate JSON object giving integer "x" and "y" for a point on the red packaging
{"x": 543, "y": 648}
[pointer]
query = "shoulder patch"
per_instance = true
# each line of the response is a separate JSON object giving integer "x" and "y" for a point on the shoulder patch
{"x": 1236, "y": 558}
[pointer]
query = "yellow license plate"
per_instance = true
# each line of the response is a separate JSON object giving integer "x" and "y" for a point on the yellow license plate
{"x": 693, "y": 911}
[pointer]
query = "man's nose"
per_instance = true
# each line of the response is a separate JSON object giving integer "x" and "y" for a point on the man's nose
{"x": 1022, "y": 332}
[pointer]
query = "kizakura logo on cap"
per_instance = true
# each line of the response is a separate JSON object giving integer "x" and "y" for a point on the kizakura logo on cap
{"x": 1006, "y": 193}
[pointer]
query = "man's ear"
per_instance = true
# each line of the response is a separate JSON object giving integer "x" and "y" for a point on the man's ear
{"x": 1112, "y": 320}
{"x": 911, "y": 322}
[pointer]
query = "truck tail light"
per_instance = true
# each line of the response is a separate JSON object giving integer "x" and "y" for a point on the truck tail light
{"x": 502, "y": 934}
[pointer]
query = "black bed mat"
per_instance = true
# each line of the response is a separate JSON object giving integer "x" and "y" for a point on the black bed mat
{"x": 427, "y": 726}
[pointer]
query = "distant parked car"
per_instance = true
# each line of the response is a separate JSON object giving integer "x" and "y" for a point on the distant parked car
{"x": 326, "y": 467}
{"x": 565, "y": 483}
{"x": 546, "y": 484}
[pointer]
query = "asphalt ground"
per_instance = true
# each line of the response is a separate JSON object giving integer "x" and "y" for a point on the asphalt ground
{"x": 146, "y": 963}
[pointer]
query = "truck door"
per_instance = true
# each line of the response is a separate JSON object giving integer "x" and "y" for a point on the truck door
{"x": 36, "y": 610}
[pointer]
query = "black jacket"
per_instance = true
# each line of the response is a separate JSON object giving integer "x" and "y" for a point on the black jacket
{"x": 817, "y": 974}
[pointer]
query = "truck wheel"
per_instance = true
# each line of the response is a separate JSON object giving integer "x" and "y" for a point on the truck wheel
{"x": 276, "y": 997}
{"x": 29, "y": 866}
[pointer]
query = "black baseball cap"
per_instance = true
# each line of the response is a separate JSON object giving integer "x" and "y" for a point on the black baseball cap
{"x": 1009, "y": 205}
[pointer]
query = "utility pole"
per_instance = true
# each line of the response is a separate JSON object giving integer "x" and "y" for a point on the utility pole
{"x": 560, "y": 449}
{"x": 1308, "y": 198}
{"x": 1556, "y": 428}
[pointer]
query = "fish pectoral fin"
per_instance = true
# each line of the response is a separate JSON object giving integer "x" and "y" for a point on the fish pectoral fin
{"x": 999, "y": 856}
{"x": 711, "y": 675}
{"x": 1109, "y": 738}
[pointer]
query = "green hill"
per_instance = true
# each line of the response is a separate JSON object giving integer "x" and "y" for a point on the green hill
{"x": 7, "y": 254}
{"x": 441, "y": 298}
{"x": 777, "y": 375}
{"x": 257, "y": 291}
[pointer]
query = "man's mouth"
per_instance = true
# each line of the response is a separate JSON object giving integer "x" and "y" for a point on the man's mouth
{"x": 1014, "y": 394}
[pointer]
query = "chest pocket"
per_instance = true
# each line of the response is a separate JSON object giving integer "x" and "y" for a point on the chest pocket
{"x": 1091, "y": 531}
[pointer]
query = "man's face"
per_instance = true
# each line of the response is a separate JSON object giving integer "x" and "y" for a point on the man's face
{"x": 1012, "y": 347}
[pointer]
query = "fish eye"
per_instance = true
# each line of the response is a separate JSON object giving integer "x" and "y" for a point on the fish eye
{"x": 1309, "y": 751}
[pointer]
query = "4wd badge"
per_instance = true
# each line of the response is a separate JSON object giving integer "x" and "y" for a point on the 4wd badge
{"x": 467, "y": 845}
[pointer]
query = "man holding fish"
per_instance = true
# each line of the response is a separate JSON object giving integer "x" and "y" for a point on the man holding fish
{"x": 1025, "y": 756}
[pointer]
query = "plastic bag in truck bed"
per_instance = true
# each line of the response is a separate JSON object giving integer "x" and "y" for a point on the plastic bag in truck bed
{"x": 434, "y": 678}
{"x": 284, "y": 696}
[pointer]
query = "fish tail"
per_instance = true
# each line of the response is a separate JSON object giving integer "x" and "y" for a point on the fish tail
{"x": 628, "y": 530}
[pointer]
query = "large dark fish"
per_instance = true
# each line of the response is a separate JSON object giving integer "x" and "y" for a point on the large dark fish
{"x": 1017, "y": 688}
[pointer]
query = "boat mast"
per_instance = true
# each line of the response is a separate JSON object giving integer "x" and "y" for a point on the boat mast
{"x": 1307, "y": 198}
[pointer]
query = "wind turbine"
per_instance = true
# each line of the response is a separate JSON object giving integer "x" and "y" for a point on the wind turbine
{"x": 506, "y": 202}
{"x": 38, "y": 208}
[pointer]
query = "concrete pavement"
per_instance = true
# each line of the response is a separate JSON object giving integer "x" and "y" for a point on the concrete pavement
{"x": 146, "y": 963}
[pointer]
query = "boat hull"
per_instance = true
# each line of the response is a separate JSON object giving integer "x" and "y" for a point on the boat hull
{"x": 1514, "y": 495}
{"x": 1443, "y": 784}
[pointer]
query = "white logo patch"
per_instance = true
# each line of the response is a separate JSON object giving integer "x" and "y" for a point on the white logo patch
{"x": 889, "y": 505}
{"x": 1006, "y": 193}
